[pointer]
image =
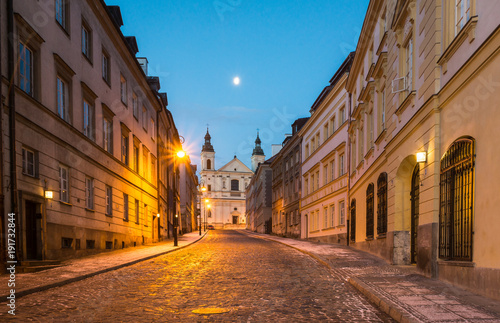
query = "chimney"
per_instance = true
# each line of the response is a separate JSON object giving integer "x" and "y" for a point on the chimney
{"x": 154, "y": 83}
{"x": 143, "y": 61}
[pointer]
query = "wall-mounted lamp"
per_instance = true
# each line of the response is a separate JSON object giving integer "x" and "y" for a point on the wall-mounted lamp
{"x": 49, "y": 195}
{"x": 181, "y": 153}
{"x": 157, "y": 215}
{"x": 421, "y": 157}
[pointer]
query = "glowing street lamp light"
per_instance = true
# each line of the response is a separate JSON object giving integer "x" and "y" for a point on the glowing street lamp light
{"x": 181, "y": 154}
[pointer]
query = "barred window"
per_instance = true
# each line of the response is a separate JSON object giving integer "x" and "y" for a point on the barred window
{"x": 369, "y": 212}
{"x": 382, "y": 204}
{"x": 456, "y": 213}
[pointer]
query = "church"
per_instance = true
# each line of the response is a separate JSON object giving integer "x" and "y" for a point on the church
{"x": 223, "y": 203}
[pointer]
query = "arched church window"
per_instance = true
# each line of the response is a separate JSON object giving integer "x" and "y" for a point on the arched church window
{"x": 235, "y": 185}
{"x": 456, "y": 197}
{"x": 209, "y": 164}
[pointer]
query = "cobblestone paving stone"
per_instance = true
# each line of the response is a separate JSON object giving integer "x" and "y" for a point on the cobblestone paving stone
{"x": 418, "y": 298}
{"x": 258, "y": 280}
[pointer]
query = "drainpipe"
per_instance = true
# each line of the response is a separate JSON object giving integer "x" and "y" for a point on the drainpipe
{"x": 348, "y": 208}
{"x": 2, "y": 206}
{"x": 12, "y": 122}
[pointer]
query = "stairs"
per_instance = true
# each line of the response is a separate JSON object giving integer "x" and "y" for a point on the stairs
{"x": 33, "y": 266}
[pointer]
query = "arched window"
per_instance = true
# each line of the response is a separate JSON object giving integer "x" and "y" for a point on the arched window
{"x": 209, "y": 164}
{"x": 382, "y": 204}
{"x": 353, "y": 220}
{"x": 456, "y": 196}
{"x": 369, "y": 212}
{"x": 235, "y": 185}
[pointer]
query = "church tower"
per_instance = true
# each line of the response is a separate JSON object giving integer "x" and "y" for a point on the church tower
{"x": 258, "y": 154}
{"x": 207, "y": 154}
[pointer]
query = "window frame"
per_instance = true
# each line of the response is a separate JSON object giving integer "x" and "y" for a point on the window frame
{"x": 25, "y": 162}
{"x": 86, "y": 41}
{"x": 106, "y": 70}
{"x": 65, "y": 17}
{"x": 108, "y": 200}
{"x": 89, "y": 193}
{"x": 64, "y": 184}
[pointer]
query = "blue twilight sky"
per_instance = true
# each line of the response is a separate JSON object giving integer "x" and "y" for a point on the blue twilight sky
{"x": 284, "y": 52}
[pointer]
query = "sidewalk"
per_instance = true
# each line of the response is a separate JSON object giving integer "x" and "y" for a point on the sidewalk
{"x": 78, "y": 269}
{"x": 398, "y": 290}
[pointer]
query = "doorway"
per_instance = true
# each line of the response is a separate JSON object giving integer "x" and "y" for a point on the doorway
{"x": 33, "y": 231}
{"x": 415, "y": 201}
{"x": 235, "y": 219}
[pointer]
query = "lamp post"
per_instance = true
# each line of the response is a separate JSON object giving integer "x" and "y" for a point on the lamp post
{"x": 176, "y": 218}
{"x": 180, "y": 154}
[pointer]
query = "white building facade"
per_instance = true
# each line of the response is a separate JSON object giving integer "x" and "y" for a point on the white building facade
{"x": 223, "y": 204}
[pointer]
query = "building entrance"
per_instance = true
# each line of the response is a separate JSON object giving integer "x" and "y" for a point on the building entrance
{"x": 33, "y": 231}
{"x": 415, "y": 201}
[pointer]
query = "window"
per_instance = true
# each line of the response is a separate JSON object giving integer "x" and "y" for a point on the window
{"x": 66, "y": 243}
{"x": 456, "y": 197}
{"x": 342, "y": 115}
{"x": 29, "y": 162}
{"x": 145, "y": 214}
{"x": 341, "y": 165}
{"x": 125, "y": 207}
{"x": 325, "y": 218}
{"x": 353, "y": 220}
{"x": 145, "y": 167}
{"x": 332, "y": 125}
{"x": 312, "y": 183}
{"x": 409, "y": 65}
{"x": 123, "y": 89}
{"x": 332, "y": 170}
{"x": 26, "y": 69}
{"x": 235, "y": 185}
{"x": 136, "y": 155}
{"x": 307, "y": 151}
{"x": 369, "y": 212}
{"x": 106, "y": 67}
{"x": 382, "y": 204}
{"x": 108, "y": 134}
{"x": 109, "y": 200}
{"x": 63, "y": 184}
{"x": 318, "y": 142}
{"x": 61, "y": 8}
{"x": 152, "y": 129}
{"x": 209, "y": 188}
{"x": 325, "y": 174}
{"x": 462, "y": 14}
{"x": 144, "y": 118}
{"x": 62, "y": 99}
{"x": 89, "y": 193}
{"x": 135, "y": 106}
{"x": 153, "y": 169}
{"x": 124, "y": 145}
{"x": 137, "y": 211}
{"x": 317, "y": 179}
{"x": 369, "y": 130}
{"x": 325, "y": 131}
{"x": 223, "y": 184}
{"x": 381, "y": 112}
{"x": 209, "y": 164}
{"x": 332, "y": 215}
{"x": 313, "y": 145}
{"x": 342, "y": 213}
{"x": 86, "y": 41}
{"x": 306, "y": 186}
{"x": 361, "y": 141}
{"x": 88, "y": 119}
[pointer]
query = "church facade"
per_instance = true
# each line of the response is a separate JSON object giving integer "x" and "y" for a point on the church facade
{"x": 223, "y": 202}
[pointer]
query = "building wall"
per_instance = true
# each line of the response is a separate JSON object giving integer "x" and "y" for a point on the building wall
{"x": 454, "y": 78}
{"x": 324, "y": 138}
{"x": 63, "y": 228}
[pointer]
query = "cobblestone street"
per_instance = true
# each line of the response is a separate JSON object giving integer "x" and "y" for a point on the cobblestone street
{"x": 257, "y": 280}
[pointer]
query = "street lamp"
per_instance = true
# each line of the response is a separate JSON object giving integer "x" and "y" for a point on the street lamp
{"x": 180, "y": 154}
{"x": 175, "y": 229}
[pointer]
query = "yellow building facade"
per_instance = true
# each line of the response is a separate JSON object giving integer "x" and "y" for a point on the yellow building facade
{"x": 423, "y": 116}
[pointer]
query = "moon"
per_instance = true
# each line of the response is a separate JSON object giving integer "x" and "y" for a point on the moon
{"x": 236, "y": 80}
